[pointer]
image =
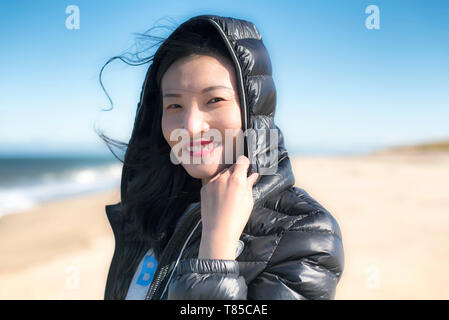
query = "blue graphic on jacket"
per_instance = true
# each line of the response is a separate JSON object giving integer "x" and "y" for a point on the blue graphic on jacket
{"x": 148, "y": 269}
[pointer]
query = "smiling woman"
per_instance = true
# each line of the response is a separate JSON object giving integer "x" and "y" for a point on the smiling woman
{"x": 211, "y": 229}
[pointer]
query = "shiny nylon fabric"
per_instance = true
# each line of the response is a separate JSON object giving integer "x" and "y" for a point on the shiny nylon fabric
{"x": 292, "y": 245}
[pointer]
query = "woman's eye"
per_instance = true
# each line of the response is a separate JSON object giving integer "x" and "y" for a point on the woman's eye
{"x": 172, "y": 106}
{"x": 216, "y": 98}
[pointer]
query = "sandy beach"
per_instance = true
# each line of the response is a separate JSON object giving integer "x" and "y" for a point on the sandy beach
{"x": 393, "y": 210}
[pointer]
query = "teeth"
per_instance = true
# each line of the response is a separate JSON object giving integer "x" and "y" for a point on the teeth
{"x": 194, "y": 148}
{"x": 209, "y": 146}
{"x": 198, "y": 148}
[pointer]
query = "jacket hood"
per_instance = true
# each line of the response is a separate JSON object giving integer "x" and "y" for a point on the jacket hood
{"x": 257, "y": 95}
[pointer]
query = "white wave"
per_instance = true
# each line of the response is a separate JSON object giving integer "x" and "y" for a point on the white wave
{"x": 51, "y": 186}
{"x": 13, "y": 201}
{"x": 85, "y": 176}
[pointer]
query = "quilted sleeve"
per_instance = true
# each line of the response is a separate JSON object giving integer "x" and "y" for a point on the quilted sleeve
{"x": 307, "y": 264}
{"x": 207, "y": 279}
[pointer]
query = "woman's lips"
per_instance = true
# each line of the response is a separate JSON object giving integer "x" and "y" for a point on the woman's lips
{"x": 202, "y": 150}
{"x": 204, "y": 142}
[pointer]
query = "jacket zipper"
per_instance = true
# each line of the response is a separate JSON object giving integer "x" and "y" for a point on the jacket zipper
{"x": 171, "y": 247}
{"x": 179, "y": 257}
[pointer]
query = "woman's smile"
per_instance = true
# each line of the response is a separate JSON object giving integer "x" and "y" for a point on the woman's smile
{"x": 203, "y": 149}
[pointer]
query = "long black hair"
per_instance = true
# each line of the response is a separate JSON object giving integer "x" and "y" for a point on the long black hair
{"x": 156, "y": 191}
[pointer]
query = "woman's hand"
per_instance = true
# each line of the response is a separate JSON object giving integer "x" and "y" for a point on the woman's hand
{"x": 226, "y": 205}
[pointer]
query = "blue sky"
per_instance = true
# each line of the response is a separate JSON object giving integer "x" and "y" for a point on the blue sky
{"x": 340, "y": 86}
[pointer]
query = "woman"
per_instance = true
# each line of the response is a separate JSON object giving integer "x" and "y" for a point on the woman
{"x": 216, "y": 229}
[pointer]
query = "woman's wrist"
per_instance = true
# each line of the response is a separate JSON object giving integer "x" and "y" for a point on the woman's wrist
{"x": 215, "y": 245}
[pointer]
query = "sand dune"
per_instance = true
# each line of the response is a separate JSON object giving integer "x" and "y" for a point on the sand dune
{"x": 393, "y": 210}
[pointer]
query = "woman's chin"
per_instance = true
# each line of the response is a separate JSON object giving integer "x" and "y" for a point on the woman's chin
{"x": 202, "y": 171}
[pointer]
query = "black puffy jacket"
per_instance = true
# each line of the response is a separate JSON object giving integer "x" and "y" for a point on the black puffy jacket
{"x": 291, "y": 247}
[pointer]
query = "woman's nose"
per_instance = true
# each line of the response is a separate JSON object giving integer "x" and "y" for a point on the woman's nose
{"x": 195, "y": 122}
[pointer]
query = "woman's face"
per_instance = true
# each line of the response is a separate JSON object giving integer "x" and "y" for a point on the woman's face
{"x": 200, "y": 98}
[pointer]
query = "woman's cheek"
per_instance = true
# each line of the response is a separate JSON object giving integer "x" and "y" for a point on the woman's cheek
{"x": 167, "y": 129}
{"x": 232, "y": 118}
{"x": 175, "y": 140}
{"x": 230, "y": 121}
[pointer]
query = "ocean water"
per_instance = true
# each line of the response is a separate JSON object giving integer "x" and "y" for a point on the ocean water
{"x": 26, "y": 182}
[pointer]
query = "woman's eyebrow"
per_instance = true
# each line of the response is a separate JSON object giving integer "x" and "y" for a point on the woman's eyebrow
{"x": 178, "y": 95}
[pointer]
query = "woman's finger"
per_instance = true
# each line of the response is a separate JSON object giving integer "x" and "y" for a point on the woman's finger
{"x": 253, "y": 178}
{"x": 241, "y": 166}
